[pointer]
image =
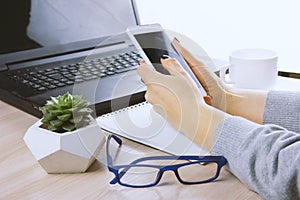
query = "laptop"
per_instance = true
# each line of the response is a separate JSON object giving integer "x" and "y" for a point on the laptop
{"x": 49, "y": 48}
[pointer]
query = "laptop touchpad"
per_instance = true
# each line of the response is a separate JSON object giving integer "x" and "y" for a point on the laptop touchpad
{"x": 122, "y": 85}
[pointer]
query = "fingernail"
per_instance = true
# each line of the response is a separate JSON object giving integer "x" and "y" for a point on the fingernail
{"x": 165, "y": 57}
{"x": 142, "y": 62}
{"x": 176, "y": 39}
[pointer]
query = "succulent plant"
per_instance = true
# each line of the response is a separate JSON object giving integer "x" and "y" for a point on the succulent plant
{"x": 65, "y": 113}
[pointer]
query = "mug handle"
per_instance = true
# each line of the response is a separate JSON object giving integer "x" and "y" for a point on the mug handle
{"x": 222, "y": 75}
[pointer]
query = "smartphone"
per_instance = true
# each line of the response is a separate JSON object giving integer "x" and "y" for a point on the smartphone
{"x": 152, "y": 42}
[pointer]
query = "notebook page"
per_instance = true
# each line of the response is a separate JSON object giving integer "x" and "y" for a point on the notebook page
{"x": 142, "y": 124}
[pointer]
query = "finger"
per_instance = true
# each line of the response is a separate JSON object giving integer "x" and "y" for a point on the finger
{"x": 172, "y": 65}
{"x": 188, "y": 57}
{"x": 148, "y": 74}
{"x": 197, "y": 67}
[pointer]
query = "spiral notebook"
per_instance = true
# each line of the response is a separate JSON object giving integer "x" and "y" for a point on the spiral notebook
{"x": 142, "y": 124}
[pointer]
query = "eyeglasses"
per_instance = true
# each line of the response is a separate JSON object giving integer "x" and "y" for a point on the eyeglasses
{"x": 189, "y": 170}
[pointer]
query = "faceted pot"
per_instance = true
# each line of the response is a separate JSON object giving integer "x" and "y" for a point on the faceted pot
{"x": 70, "y": 152}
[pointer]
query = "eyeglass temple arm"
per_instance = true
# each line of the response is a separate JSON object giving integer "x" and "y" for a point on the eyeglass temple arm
{"x": 118, "y": 140}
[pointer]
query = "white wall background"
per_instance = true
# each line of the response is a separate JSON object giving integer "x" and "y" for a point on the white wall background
{"x": 220, "y": 27}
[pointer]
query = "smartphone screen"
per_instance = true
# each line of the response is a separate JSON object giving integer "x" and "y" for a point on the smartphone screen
{"x": 156, "y": 44}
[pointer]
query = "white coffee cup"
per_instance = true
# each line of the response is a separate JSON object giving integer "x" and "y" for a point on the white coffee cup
{"x": 252, "y": 69}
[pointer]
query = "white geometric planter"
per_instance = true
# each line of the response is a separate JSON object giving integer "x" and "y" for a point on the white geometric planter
{"x": 70, "y": 152}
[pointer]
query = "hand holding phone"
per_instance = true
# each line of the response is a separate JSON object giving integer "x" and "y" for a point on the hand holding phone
{"x": 152, "y": 43}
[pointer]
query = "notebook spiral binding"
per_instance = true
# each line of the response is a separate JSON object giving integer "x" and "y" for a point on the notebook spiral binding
{"x": 133, "y": 107}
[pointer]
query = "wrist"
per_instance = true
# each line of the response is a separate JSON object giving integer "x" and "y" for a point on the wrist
{"x": 209, "y": 120}
{"x": 246, "y": 103}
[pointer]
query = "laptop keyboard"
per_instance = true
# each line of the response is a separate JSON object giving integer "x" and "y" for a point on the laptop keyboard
{"x": 51, "y": 78}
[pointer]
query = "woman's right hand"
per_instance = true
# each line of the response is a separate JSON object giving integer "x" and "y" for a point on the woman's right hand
{"x": 214, "y": 87}
{"x": 239, "y": 102}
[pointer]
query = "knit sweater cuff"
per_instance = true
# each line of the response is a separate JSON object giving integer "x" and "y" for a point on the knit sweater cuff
{"x": 229, "y": 134}
{"x": 283, "y": 109}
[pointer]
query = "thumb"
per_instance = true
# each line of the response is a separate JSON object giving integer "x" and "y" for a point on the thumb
{"x": 148, "y": 74}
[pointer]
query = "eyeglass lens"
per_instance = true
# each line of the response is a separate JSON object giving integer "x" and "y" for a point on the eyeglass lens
{"x": 139, "y": 175}
{"x": 144, "y": 175}
{"x": 197, "y": 172}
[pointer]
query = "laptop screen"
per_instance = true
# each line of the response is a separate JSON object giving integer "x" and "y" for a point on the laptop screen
{"x": 29, "y": 24}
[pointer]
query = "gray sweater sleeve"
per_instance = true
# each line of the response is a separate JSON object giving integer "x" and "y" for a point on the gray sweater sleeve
{"x": 264, "y": 157}
{"x": 283, "y": 109}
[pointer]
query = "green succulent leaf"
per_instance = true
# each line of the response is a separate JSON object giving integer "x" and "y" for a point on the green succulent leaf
{"x": 52, "y": 128}
{"x": 56, "y": 123}
{"x": 55, "y": 112}
{"x": 64, "y": 117}
{"x": 76, "y": 119}
{"x": 68, "y": 127}
{"x": 53, "y": 101}
{"x": 85, "y": 111}
{"x": 45, "y": 121}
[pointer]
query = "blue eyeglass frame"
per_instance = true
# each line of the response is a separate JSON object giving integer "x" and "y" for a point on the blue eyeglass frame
{"x": 219, "y": 160}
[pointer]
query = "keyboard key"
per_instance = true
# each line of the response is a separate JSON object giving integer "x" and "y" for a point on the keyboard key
{"x": 90, "y": 77}
{"x": 45, "y": 84}
{"x": 51, "y": 87}
{"x": 94, "y": 69}
{"x": 42, "y": 77}
{"x": 84, "y": 71}
{"x": 95, "y": 73}
{"x": 72, "y": 66}
{"x": 102, "y": 75}
{"x": 24, "y": 81}
{"x": 41, "y": 89}
{"x": 60, "y": 84}
{"x": 39, "y": 82}
{"x": 74, "y": 71}
{"x": 126, "y": 69}
{"x": 35, "y": 86}
{"x": 55, "y": 82}
{"x": 48, "y": 79}
{"x": 63, "y": 80}
{"x": 119, "y": 67}
{"x": 69, "y": 82}
{"x": 32, "y": 73}
{"x": 56, "y": 76}
{"x": 78, "y": 77}
{"x": 111, "y": 69}
{"x": 71, "y": 78}
{"x": 86, "y": 74}
{"x": 78, "y": 80}
{"x": 110, "y": 73}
